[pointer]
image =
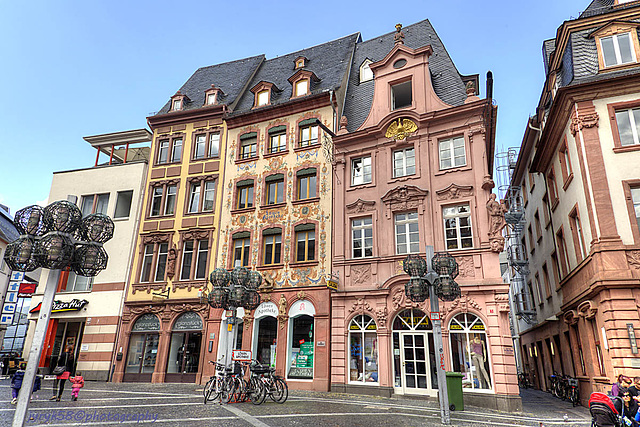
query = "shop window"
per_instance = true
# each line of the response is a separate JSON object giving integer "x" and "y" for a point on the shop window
{"x": 184, "y": 349}
{"x": 266, "y": 333}
{"x": 154, "y": 265}
{"x": 241, "y": 249}
{"x": 301, "y": 340}
{"x": 361, "y": 170}
{"x": 305, "y": 242}
{"x": 452, "y": 153}
{"x": 169, "y": 151}
{"x": 123, "y": 204}
{"x": 363, "y": 350}
{"x": 457, "y": 227}
{"x": 248, "y": 145}
{"x": 194, "y": 260}
{"x": 414, "y": 354}
{"x": 277, "y": 139}
{"x": 617, "y": 49}
{"x": 272, "y": 246}
{"x": 94, "y": 203}
{"x": 362, "y": 237}
{"x": 206, "y": 145}
{"x": 275, "y": 189}
{"x": 401, "y": 96}
{"x": 470, "y": 351}
{"x": 308, "y": 133}
{"x": 245, "y": 194}
{"x": 404, "y": 162}
{"x": 407, "y": 233}
{"x": 143, "y": 348}
{"x": 306, "y": 187}
{"x": 202, "y": 195}
{"x": 163, "y": 199}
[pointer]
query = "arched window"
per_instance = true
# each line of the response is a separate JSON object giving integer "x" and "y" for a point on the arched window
{"x": 470, "y": 351}
{"x": 363, "y": 350}
{"x": 143, "y": 348}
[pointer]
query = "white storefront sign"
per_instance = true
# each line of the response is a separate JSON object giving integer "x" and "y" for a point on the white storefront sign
{"x": 266, "y": 309}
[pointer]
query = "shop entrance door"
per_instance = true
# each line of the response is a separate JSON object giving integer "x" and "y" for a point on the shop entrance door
{"x": 416, "y": 369}
{"x": 184, "y": 357}
{"x": 141, "y": 358}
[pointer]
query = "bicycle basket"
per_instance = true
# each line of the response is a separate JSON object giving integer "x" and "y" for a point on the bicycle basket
{"x": 260, "y": 369}
{"x": 572, "y": 382}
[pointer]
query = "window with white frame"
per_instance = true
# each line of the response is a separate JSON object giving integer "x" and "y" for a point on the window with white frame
{"x": 362, "y": 237}
{"x": 363, "y": 350}
{"x": 202, "y": 195}
{"x": 263, "y": 98}
{"x": 452, "y": 153}
{"x": 628, "y": 122}
{"x": 617, "y": 49}
{"x": 365, "y": 71}
{"x": 163, "y": 200}
{"x": 407, "y": 234}
{"x": 302, "y": 87}
{"x": 94, "y": 203}
{"x": 457, "y": 227}
{"x": 404, "y": 162}
{"x": 77, "y": 283}
{"x": 194, "y": 259}
{"x": 277, "y": 139}
{"x": 206, "y": 145}
{"x": 361, "y": 170}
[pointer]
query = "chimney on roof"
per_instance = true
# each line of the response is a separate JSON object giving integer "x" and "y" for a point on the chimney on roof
{"x": 398, "y": 38}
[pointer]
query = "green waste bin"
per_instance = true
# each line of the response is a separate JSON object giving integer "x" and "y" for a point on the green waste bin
{"x": 454, "y": 391}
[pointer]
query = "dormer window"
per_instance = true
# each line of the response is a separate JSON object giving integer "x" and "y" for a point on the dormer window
{"x": 177, "y": 104}
{"x": 401, "y": 95}
{"x": 262, "y": 93}
{"x": 617, "y": 49}
{"x": 262, "y": 98}
{"x": 300, "y": 62}
{"x": 177, "y": 101}
{"x": 302, "y": 87}
{"x": 365, "y": 71}
{"x": 211, "y": 95}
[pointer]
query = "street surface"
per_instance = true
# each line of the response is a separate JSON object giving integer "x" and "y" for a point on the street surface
{"x": 110, "y": 404}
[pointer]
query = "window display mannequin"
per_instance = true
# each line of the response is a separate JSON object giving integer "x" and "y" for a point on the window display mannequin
{"x": 478, "y": 359}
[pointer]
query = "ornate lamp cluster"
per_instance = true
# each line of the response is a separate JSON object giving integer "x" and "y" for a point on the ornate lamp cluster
{"x": 238, "y": 288}
{"x": 57, "y": 237}
{"x": 445, "y": 270}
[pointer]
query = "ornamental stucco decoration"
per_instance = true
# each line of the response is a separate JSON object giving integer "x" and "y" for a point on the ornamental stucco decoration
{"x": 404, "y": 197}
{"x": 633, "y": 258}
{"x": 360, "y": 305}
{"x": 454, "y": 191}
{"x": 570, "y": 317}
{"x": 586, "y": 118}
{"x": 361, "y": 274}
{"x": 587, "y": 309}
{"x": 381, "y": 316}
{"x": 360, "y": 206}
{"x": 400, "y": 129}
{"x": 466, "y": 266}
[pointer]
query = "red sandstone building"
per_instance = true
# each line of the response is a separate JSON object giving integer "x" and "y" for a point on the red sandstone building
{"x": 413, "y": 166}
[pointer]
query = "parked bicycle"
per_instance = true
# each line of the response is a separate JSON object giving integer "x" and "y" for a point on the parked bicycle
{"x": 523, "y": 380}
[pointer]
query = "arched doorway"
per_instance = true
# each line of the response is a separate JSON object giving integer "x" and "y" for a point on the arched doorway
{"x": 143, "y": 349}
{"x": 470, "y": 351}
{"x": 184, "y": 351}
{"x": 414, "y": 358}
{"x": 301, "y": 340}
{"x": 265, "y": 333}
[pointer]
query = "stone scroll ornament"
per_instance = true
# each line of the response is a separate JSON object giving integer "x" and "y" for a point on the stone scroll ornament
{"x": 497, "y": 222}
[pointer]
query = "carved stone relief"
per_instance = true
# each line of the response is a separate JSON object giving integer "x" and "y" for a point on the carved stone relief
{"x": 361, "y": 274}
{"x": 454, "y": 191}
{"x": 360, "y": 206}
{"x": 466, "y": 267}
{"x": 360, "y": 305}
{"x": 404, "y": 197}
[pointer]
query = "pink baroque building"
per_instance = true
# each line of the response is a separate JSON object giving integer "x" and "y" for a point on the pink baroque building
{"x": 413, "y": 166}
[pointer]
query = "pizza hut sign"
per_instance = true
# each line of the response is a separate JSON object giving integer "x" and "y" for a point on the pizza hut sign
{"x": 59, "y": 306}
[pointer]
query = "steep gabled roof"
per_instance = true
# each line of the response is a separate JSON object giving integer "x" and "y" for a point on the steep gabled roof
{"x": 447, "y": 81}
{"x": 328, "y": 61}
{"x": 597, "y": 7}
{"x": 230, "y": 77}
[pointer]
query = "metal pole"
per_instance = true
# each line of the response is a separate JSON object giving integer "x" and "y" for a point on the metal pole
{"x": 36, "y": 347}
{"x": 443, "y": 397}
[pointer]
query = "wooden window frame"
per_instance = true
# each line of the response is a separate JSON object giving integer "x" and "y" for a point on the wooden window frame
{"x": 245, "y": 237}
{"x": 242, "y": 184}
{"x": 278, "y": 177}
{"x": 305, "y": 228}
{"x": 577, "y": 228}
{"x": 617, "y": 142}
{"x": 195, "y": 257}
{"x": 202, "y": 181}
{"x": 270, "y": 134}
{"x": 266, "y": 233}
{"x": 304, "y": 174}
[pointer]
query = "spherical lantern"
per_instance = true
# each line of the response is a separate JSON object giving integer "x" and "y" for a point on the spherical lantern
{"x": 255, "y": 280}
{"x": 218, "y": 297}
{"x": 414, "y": 266}
{"x": 239, "y": 276}
{"x": 445, "y": 265}
{"x": 89, "y": 259}
{"x": 236, "y": 296}
{"x": 251, "y": 300}
{"x": 20, "y": 254}
{"x": 62, "y": 216}
{"x": 416, "y": 290}
{"x": 446, "y": 288}
{"x": 219, "y": 277}
{"x": 54, "y": 251}
{"x": 30, "y": 221}
{"x": 97, "y": 228}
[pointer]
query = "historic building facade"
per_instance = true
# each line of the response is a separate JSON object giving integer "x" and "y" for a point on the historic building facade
{"x": 276, "y": 210}
{"x": 413, "y": 165}
{"x": 86, "y": 311}
{"x": 163, "y": 333}
{"x": 576, "y": 186}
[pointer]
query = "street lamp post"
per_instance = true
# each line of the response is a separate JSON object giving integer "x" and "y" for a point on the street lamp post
{"x": 437, "y": 276}
{"x": 54, "y": 238}
{"x": 231, "y": 291}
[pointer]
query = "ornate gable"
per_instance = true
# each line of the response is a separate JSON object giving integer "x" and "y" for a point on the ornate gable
{"x": 454, "y": 191}
{"x": 404, "y": 197}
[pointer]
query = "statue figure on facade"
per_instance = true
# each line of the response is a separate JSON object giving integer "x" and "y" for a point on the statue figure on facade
{"x": 398, "y": 37}
{"x": 282, "y": 305}
{"x": 496, "y": 222}
{"x": 171, "y": 261}
{"x": 269, "y": 282}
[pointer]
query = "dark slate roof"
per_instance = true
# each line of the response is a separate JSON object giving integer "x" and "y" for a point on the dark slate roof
{"x": 548, "y": 47}
{"x": 8, "y": 231}
{"x": 446, "y": 79}
{"x": 597, "y": 7}
{"x": 230, "y": 77}
{"x": 328, "y": 61}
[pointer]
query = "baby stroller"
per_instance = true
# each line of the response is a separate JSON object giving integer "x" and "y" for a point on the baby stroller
{"x": 604, "y": 412}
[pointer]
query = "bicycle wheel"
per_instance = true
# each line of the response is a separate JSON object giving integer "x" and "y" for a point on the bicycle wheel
{"x": 228, "y": 389}
{"x": 575, "y": 396}
{"x": 256, "y": 391}
{"x": 280, "y": 390}
{"x": 242, "y": 393}
{"x": 210, "y": 392}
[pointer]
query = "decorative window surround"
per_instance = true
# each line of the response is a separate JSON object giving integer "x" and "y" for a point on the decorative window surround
{"x": 452, "y": 153}
{"x": 365, "y": 71}
{"x": 206, "y": 145}
{"x": 162, "y": 198}
{"x": 152, "y": 256}
{"x": 201, "y": 196}
{"x": 212, "y": 95}
{"x": 169, "y": 149}
{"x": 178, "y": 101}
{"x": 625, "y": 121}
{"x": 262, "y": 93}
{"x": 617, "y": 44}
{"x": 298, "y": 79}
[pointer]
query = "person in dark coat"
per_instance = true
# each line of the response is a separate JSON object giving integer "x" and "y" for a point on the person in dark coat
{"x": 65, "y": 360}
{"x": 629, "y": 408}
{"x": 16, "y": 384}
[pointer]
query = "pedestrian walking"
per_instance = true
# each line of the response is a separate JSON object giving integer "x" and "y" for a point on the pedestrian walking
{"x": 62, "y": 371}
{"x": 16, "y": 383}
{"x": 77, "y": 382}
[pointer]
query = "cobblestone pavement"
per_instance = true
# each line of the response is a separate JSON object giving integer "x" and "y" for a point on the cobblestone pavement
{"x": 110, "y": 404}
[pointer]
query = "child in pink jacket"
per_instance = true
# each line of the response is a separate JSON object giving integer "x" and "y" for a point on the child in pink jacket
{"x": 77, "y": 383}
